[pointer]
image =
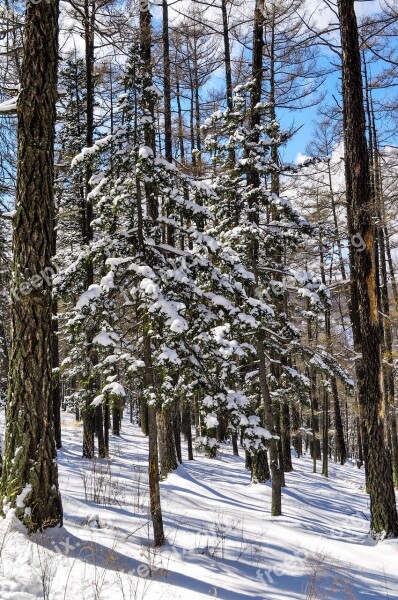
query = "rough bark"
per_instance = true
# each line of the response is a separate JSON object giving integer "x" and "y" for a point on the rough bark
{"x": 144, "y": 416}
{"x": 30, "y": 464}
{"x": 260, "y": 467}
{"x": 276, "y": 506}
{"x": 364, "y": 301}
{"x": 338, "y": 424}
{"x": 167, "y": 451}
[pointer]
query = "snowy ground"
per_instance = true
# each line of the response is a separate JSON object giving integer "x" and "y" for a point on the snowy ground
{"x": 221, "y": 540}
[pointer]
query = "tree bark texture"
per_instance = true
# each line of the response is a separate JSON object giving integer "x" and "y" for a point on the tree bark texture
{"x": 364, "y": 300}
{"x": 30, "y": 477}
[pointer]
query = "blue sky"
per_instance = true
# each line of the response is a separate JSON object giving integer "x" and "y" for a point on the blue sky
{"x": 305, "y": 118}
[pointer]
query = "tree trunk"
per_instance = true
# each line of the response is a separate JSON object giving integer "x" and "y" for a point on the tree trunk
{"x": 88, "y": 415}
{"x": 338, "y": 424}
{"x": 154, "y": 489}
{"x": 87, "y": 214}
{"x": 152, "y": 213}
{"x": 30, "y": 458}
{"x": 325, "y": 434}
{"x": 167, "y": 452}
{"x": 222, "y": 429}
{"x": 107, "y": 424}
{"x": 99, "y": 426}
{"x": 260, "y": 467}
{"x": 116, "y": 417}
{"x": 234, "y": 440}
{"x": 186, "y": 427}
{"x": 276, "y": 505}
{"x": 180, "y": 120}
{"x": 364, "y": 301}
{"x": 56, "y": 393}
{"x": 285, "y": 437}
{"x": 168, "y": 151}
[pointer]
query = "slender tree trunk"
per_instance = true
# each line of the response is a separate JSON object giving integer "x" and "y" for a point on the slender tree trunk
{"x": 152, "y": 213}
{"x": 297, "y": 438}
{"x": 234, "y": 440}
{"x": 116, "y": 417}
{"x": 179, "y": 116}
{"x": 56, "y": 383}
{"x": 154, "y": 489}
{"x": 88, "y": 411}
{"x": 56, "y": 379}
{"x": 176, "y": 423}
{"x": 338, "y": 424}
{"x": 99, "y": 426}
{"x": 168, "y": 150}
{"x": 107, "y": 424}
{"x": 168, "y": 147}
{"x": 325, "y": 434}
{"x": 227, "y": 65}
{"x": 359, "y": 441}
{"x": 286, "y": 439}
{"x": 30, "y": 457}
{"x": 276, "y": 503}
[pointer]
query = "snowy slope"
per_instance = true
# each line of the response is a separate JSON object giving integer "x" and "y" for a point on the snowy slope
{"x": 222, "y": 541}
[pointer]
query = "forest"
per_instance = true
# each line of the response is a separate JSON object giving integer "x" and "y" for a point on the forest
{"x": 199, "y": 299}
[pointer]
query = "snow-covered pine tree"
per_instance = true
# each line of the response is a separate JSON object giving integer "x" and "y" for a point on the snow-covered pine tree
{"x": 170, "y": 320}
{"x": 259, "y": 225}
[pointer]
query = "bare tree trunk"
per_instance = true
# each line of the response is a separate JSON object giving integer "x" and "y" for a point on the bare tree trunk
{"x": 167, "y": 452}
{"x": 88, "y": 411}
{"x": 56, "y": 393}
{"x": 99, "y": 427}
{"x": 107, "y": 424}
{"x": 152, "y": 213}
{"x": 325, "y": 434}
{"x": 30, "y": 457}
{"x": 168, "y": 150}
{"x": 179, "y": 116}
{"x": 364, "y": 301}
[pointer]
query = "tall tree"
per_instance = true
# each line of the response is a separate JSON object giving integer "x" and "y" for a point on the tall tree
{"x": 366, "y": 324}
{"x": 30, "y": 477}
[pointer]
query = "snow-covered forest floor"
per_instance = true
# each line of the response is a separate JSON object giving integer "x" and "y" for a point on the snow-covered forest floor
{"x": 221, "y": 540}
